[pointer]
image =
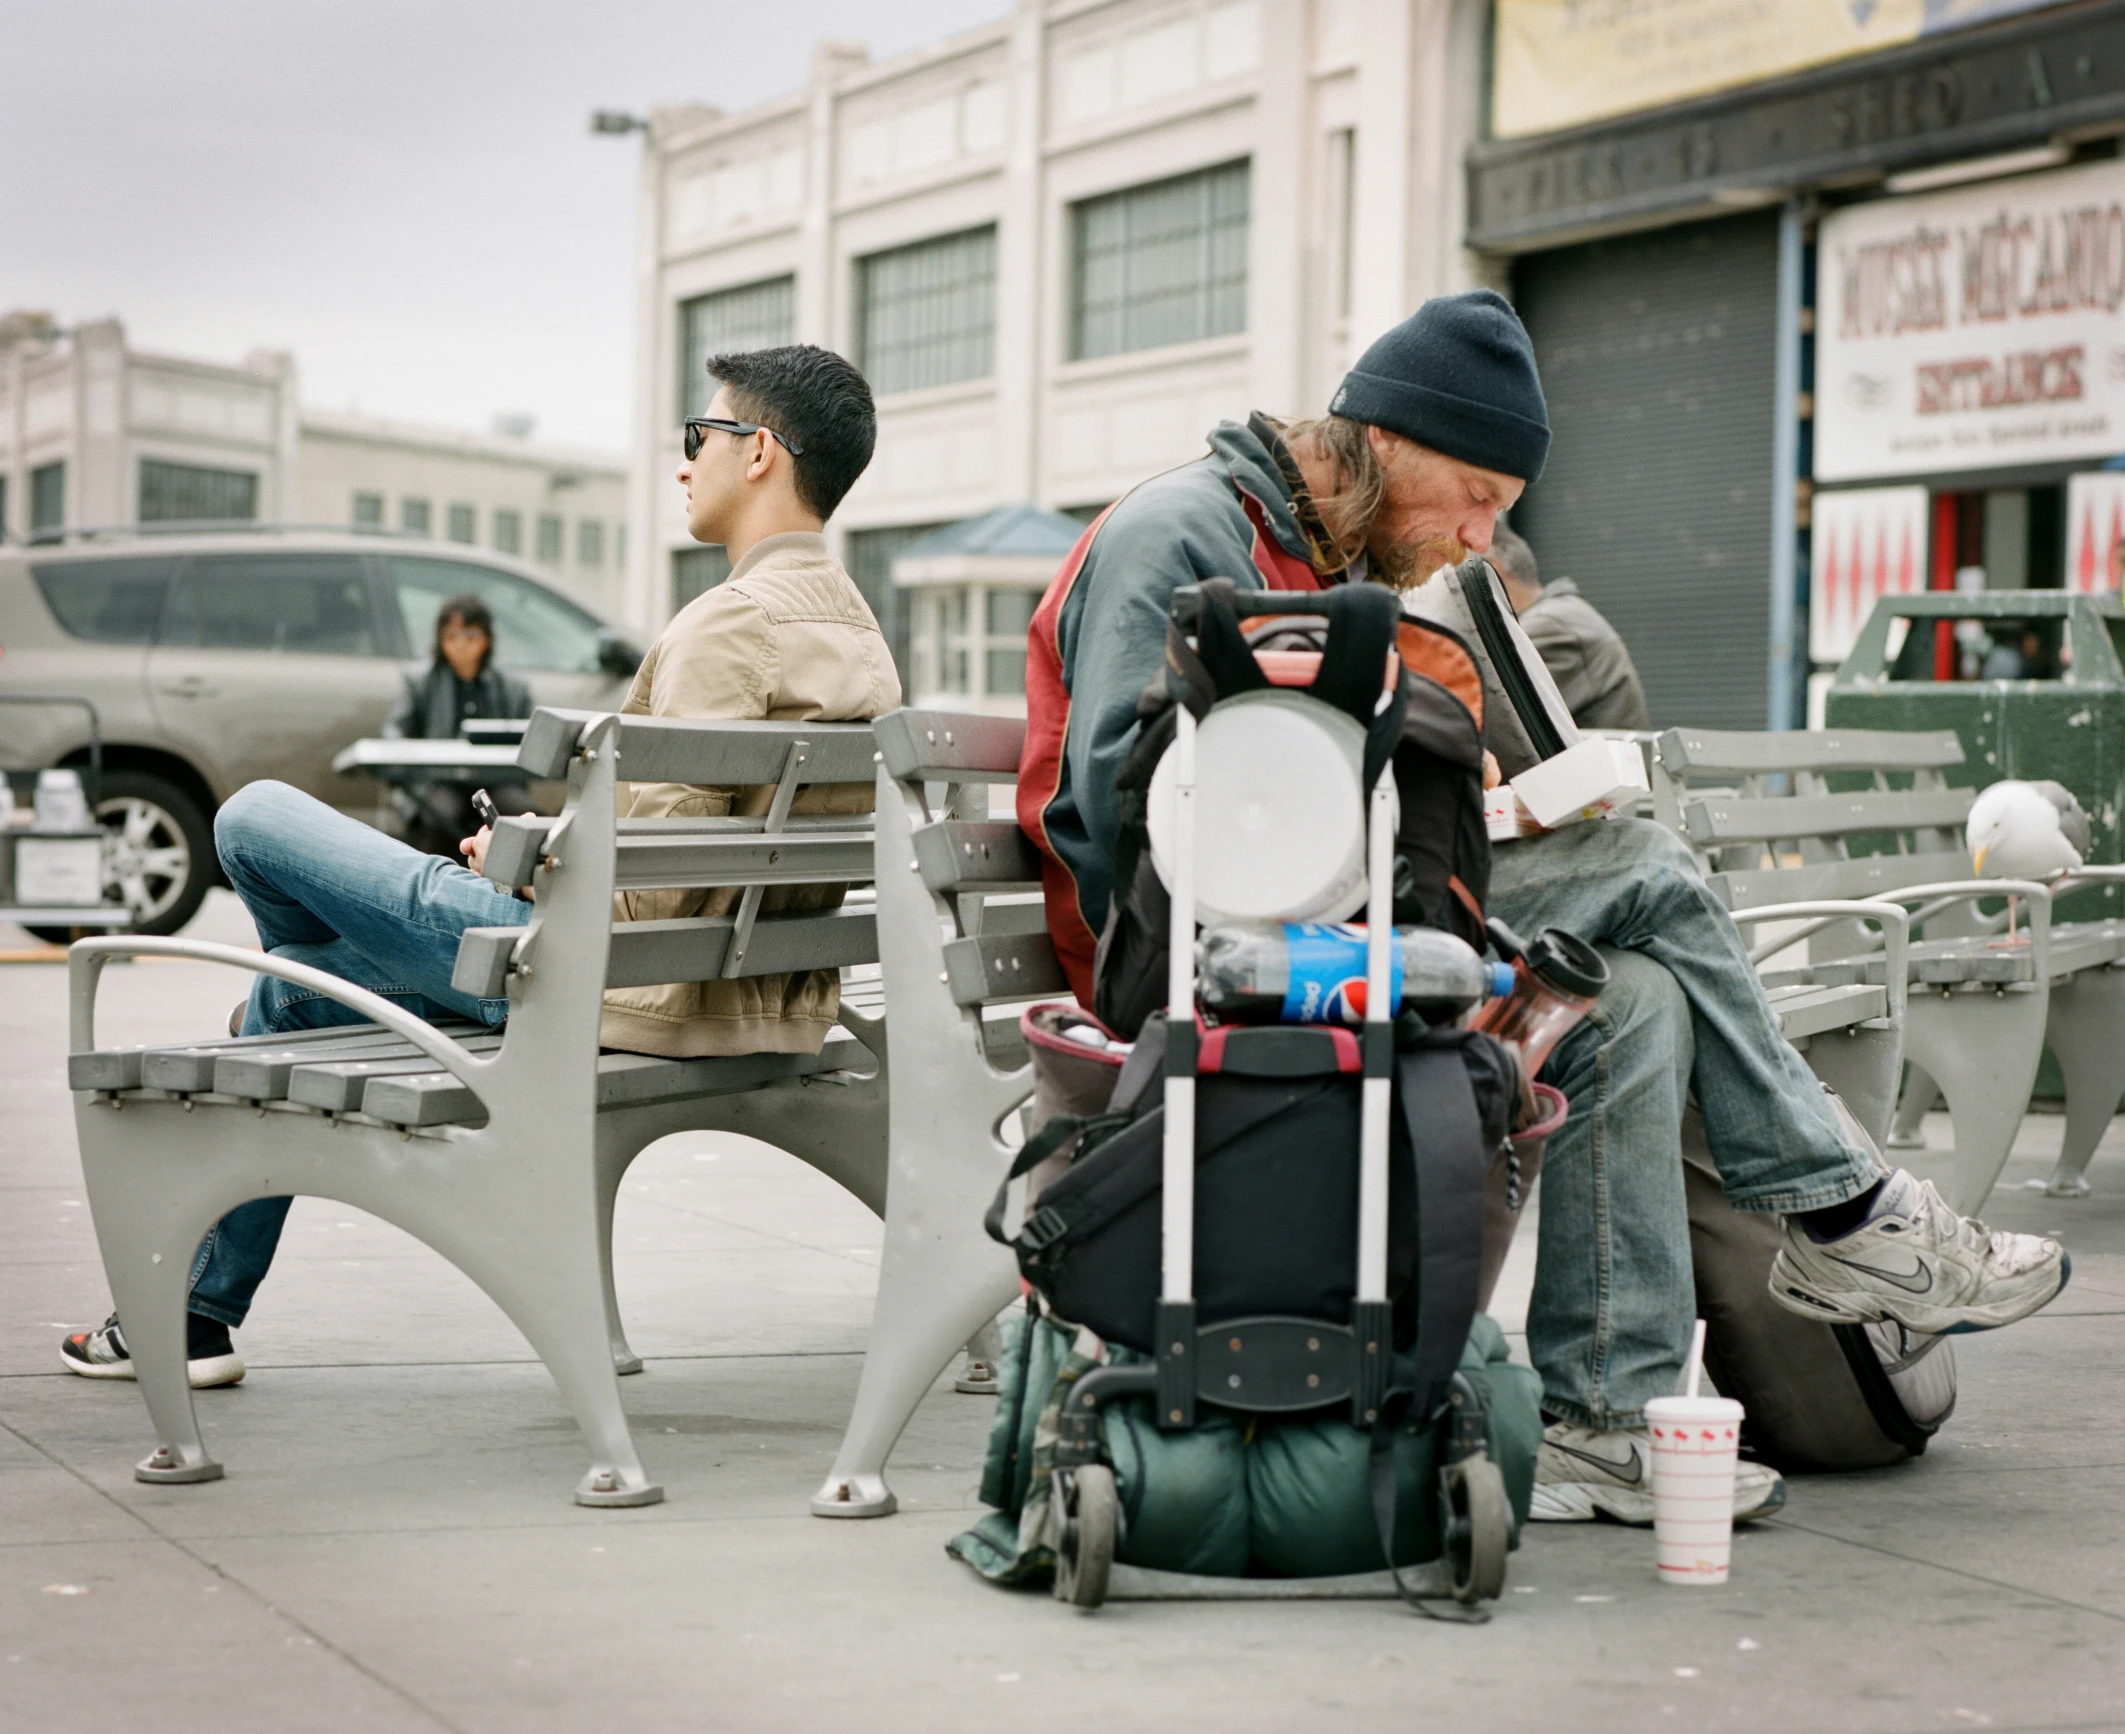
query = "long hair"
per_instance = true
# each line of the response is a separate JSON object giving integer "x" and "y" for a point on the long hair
{"x": 1346, "y": 514}
{"x": 466, "y": 610}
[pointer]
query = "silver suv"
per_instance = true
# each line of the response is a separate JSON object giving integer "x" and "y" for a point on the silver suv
{"x": 217, "y": 656}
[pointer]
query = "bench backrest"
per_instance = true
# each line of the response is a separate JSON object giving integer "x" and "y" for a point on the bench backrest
{"x": 1759, "y": 811}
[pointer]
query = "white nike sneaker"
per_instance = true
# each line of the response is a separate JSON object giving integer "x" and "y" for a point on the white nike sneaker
{"x": 1916, "y": 1261}
{"x": 1581, "y": 1475}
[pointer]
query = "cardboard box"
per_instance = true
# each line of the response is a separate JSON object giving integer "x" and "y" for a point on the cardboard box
{"x": 1587, "y": 781}
{"x": 58, "y": 870}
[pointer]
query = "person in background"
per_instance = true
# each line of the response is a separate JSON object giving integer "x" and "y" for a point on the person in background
{"x": 1590, "y": 663}
{"x": 462, "y": 681}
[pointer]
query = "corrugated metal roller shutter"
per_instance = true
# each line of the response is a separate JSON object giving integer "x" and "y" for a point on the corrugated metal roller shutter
{"x": 1656, "y": 353}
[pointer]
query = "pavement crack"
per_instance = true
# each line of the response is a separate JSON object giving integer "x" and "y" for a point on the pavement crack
{"x": 1783, "y": 1522}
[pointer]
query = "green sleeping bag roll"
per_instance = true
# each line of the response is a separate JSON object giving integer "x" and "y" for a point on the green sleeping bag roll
{"x": 1183, "y": 1495}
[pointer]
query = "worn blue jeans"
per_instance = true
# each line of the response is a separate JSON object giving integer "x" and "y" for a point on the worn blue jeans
{"x": 328, "y": 891}
{"x": 1614, "y": 1297}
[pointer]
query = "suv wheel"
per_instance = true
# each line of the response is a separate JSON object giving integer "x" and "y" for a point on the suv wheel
{"x": 161, "y": 858}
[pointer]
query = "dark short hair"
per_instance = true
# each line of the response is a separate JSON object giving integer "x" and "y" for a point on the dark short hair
{"x": 467, "y": 610}
{"x": 817, "y": 401}
{"x": 1512, "y": 556}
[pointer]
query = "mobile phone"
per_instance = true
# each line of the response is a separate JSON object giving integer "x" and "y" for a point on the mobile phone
{"x": 483, "y": 805}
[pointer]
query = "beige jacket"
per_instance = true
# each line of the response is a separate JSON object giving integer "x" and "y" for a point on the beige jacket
{"x": 787, "y": 637}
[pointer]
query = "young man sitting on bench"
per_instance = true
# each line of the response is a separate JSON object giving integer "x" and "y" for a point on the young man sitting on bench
{"x": 786, "y": 637}
{"x": 1437, "y": 430}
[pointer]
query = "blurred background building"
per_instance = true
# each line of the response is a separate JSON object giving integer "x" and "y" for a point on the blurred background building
{"x": 1065, "y": 244}
{"x": 95, "y": 434}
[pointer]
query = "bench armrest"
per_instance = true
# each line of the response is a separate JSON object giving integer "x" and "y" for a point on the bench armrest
{"x": 87, "y": 957}
{"x": 1939, "y": 896}
{"x": 1821, "y": 913}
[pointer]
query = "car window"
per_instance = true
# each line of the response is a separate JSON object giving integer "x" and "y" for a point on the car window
{"x": 109, "y": 601}
{"x": 533, "y": 628}
{"x": 307, "y": 604}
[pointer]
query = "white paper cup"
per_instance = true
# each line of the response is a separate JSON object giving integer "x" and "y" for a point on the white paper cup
{"x": 1695, "y": 1442}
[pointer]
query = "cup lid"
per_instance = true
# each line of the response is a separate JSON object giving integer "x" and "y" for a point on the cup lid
{"x": 1567, "y": 963}
{"x": 1688, "y": 1409}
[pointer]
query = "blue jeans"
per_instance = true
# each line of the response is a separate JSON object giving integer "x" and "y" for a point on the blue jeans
{"x": 1684, "y": 1012}
{"x": 328, "y": 891}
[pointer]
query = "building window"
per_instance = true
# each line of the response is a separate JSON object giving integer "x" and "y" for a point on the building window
{"x": 1009, "y": 619}
{"x": 1158, "y": 264}
{"x": 190, "y": 494}
{"x": 927, "y": 313}
{"x": 368, "y": 511}
{"x": 464, "y": 522}
{"x": 550, "y": 539}
{"x": 695, "y": 571}
{"x": 47, "y": 497}
{"x": 590, "y": 544}
{"x": 754, "y": 316}
{"x": 508, "y": 532}
{"x": 414, "y": 515}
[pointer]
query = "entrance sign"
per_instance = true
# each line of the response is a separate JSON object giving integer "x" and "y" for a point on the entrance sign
{"x": 1973, "y": 329}
{"x": 1866, "y": 543}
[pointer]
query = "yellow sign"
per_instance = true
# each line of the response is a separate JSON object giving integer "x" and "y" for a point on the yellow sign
{"x": 1562, "y": 63}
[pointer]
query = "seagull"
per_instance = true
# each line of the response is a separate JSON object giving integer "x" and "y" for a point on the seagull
{"x": 2026, "y": 831}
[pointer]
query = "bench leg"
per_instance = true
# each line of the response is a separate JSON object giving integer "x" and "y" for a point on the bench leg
{"x": 2086, "y": 1031}
{"x": 1861, "y": 1066}
{"x": 1983, "y": 1049}
{"x": 614, "y": 1159}
{"x": 1921, "y": 1096}
{"x": 984, "y": 1356}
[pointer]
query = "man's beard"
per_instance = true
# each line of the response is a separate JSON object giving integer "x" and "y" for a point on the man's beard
{"x": 1405, "y": 565}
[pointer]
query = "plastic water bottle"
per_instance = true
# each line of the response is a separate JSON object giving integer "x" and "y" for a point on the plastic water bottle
{"x": 1314, "y": 973}
{"x": 1557, "y": 977}
{"x": 62, "y": 804}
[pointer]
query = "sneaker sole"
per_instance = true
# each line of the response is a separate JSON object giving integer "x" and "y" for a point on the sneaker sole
{"x": 1865, "y": 1307}
{"x": 1584, "y": 1501}
{"x": 208, "y": 1372}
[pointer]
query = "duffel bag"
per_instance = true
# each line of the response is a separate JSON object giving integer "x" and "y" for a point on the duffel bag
{"x": 1817, "y": 1396}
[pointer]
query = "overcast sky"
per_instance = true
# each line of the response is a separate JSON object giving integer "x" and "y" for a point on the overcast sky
{"x": 403, "y": 192}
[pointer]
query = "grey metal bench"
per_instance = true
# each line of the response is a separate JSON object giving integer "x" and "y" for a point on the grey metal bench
{"x": 504, "y": 1152}
{"x": 1981, "y": 1011}
{"x": 961, "y": 934}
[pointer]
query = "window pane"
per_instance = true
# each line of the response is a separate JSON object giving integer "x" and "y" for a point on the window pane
{"x": 694, "y": 571}
{"x": 413, "y": 515}
{"x": 188, "y": 494}
{"x": 1011, "y": 612}
{"x": 462, "y": 522}
{"x": 369, "y": 511}
{"x": 550, "y": 540}
{"x": 1159, "y": 264}
{"x": 1006, "y": 673}
{"x": 533, "y": 629}
{"x": 311, "y": 604}
{"x": 110, "y": 601}
{"x": 928, "y": 312}
{"x": 48, "y": 497}
{"x": 753, "y": 316}
{"x": 508, "y": 532}
{"x": 590, "y": 543}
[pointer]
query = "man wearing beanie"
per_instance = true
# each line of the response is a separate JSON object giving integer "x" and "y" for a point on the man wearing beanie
{"x": 1439, "y": 427}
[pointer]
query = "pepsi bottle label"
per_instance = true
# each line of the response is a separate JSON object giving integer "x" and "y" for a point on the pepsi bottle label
{"x": 1326, "y": 979}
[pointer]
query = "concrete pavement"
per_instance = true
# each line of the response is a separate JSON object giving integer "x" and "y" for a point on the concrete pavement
{"x": 394, "y": 1547}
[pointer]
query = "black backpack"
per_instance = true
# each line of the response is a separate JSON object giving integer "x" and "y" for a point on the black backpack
{"x": 1433, "y": 729}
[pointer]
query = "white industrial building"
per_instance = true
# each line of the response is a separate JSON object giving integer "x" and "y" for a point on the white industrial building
{"x": 1062, "y": 247}
{"x": 97, "y": 435}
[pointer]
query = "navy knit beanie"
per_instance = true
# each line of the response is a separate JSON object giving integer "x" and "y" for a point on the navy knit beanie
{"x": 1458, "y": 375}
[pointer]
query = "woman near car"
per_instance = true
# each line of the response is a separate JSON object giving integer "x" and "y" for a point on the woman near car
{"x": 462, "y": 681}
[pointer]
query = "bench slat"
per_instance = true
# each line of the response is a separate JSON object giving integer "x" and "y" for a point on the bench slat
{"x": 1722, "y": 819}
{"x": 649, "y": 953}
{"x": 1816, "y": 1010}
{"x": 517, "y": 845}
{"x": 262, "y": 1075}
{"x": 945, "y": 746}
{"x": 433, "y": 1098}
{"x": 1717, "y": 750}
{"x": 992, "y": 966}
{"x": 119, "y": 1068}
{"x": 679, "y": 862}
{"x": 966, "y": 854}
{"x": 1868, "y": 876}
{"x": 189, "y": 1069}
{"x": 698, "y": 750}
{"x": 336, "y": 1085}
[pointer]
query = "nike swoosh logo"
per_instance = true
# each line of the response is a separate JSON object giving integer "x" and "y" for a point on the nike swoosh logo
{"x": 1918, "y": 1280}
{"x": 1608, "y": 1465}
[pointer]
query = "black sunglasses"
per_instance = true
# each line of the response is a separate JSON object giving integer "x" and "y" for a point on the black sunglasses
{"x": 699, "y": 426}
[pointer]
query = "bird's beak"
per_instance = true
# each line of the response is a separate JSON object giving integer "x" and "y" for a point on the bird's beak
{"x": 1977, "y": 863}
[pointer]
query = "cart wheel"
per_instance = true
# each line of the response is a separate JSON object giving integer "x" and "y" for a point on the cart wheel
{"x": 1480, "y": 1528}
{"x": 1090, "y": 1511}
